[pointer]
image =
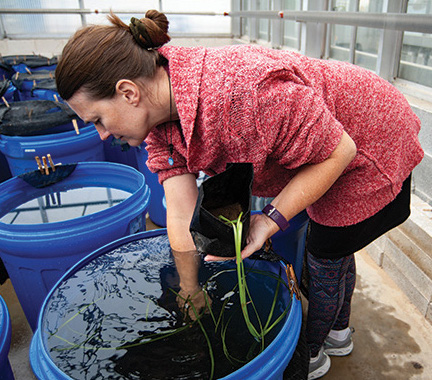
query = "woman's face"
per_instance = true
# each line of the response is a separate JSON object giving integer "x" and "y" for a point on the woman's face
{"x": 128, "y": 116}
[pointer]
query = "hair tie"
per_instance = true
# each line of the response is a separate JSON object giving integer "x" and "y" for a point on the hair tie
{"x": 139, "y": 33}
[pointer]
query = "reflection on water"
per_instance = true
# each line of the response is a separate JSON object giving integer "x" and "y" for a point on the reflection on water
{"x": 117, "y": 318}
{"x": 64, "y": 205}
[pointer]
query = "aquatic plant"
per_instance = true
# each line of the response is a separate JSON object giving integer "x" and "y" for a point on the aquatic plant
{"x": 214, "y": 325}
{"x": 244, "y": 294}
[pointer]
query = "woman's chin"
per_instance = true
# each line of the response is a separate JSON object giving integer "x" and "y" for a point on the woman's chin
{"x": 134, "y": 143}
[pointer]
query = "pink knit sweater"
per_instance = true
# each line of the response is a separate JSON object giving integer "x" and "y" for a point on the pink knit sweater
{"x": 281, "y": 110}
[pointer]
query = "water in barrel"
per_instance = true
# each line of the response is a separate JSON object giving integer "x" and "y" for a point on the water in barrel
{"x": 120, "y": 316}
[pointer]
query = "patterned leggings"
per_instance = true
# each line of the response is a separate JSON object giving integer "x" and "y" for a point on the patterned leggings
{"x": 331, "y": 287}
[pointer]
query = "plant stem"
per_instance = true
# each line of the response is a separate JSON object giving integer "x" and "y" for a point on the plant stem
{"x": 237, "y": 226}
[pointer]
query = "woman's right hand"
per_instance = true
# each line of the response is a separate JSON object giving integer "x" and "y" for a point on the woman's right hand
{"x": 191, "y": 293}
{"x": 193, "y": 302}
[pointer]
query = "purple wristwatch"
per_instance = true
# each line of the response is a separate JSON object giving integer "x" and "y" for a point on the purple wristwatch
{"x": 276, "y": 216}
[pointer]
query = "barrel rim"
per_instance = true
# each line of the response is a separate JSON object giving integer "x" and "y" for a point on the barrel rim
{"x": 101, "y": 169}
{"x": 275, "y": 357}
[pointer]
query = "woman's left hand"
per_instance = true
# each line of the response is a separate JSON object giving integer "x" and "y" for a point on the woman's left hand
{"x": 261, "y": 228}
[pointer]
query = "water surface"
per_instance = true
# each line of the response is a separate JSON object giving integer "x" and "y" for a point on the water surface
{"x": 117, "y": 318}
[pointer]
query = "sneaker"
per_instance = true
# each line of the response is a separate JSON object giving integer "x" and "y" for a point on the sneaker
{"x": 336, "y": 347}
{"x": 319, "y": 365}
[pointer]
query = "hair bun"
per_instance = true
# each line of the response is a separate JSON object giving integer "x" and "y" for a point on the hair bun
{"x": 158, "y": 18}
{"x": 152, "y": 31}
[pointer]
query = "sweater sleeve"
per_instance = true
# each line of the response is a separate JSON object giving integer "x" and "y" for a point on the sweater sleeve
{"x": 295, "y": 125}
{"x": 158, "y": 151}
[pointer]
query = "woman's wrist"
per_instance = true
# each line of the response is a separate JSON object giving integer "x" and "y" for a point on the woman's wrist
{"x": 187, "y": 264}
{"x": 272, "y": 212}
{"x": 190, "y": 289}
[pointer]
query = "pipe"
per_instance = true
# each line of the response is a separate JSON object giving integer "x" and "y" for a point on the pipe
{"x": 95, "y": 11}
{"x": 396, "y": 21}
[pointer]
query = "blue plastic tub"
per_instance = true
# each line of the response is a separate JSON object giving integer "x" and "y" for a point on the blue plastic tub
{"x": 134, "y": 251}
{"x": 65, "y": 147}
{"x": 5, "y": 341}
{"x": 22, "y": 68}
{"x": 37, "y": 255}
{"x": 157, "y": 208}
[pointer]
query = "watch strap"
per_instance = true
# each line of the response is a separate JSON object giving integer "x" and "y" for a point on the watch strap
{"x": 276, "y": 216}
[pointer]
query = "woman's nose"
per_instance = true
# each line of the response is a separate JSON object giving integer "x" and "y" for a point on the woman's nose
{"x": 104, "y": 134}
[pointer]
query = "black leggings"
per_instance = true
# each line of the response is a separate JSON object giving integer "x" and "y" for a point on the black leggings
{"x": 331, "y": 288}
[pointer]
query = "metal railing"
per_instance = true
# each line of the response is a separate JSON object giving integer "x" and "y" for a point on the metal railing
{"x": 393, "y": 21}
{"x": 83, "y": 12}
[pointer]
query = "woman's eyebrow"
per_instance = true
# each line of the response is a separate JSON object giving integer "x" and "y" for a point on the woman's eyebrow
{"x": 89, "y": 119}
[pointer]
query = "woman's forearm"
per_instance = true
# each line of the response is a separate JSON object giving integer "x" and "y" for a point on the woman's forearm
{"x": 187, "y": 265}
{"x": 181, "y": 194}
{"x": 313, "y": 181}
{"x": 308, "y": 185}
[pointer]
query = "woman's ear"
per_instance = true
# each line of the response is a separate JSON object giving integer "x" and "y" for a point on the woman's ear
{"x": 129, "y": 91}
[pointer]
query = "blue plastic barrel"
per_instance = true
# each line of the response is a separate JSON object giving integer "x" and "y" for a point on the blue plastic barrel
{"x": 6, "y": 71}
{"x": 5, "y": 341}
{"x": 37, "y": 255}
{"x": 29, "y": 62}
{"x": 269, "y": 364}
{"x": 120, "y": 152}
{"x": 22, "y": 68}
{"x": 64, "y": 147}
{"x": 27, "y": 83}
{"x": 4, "y": 168}
{"x": 290, "y": 244}
{"x": 157, "y": 208}
{"x": 8, "y": 91}
{"x": 46, "y": 94}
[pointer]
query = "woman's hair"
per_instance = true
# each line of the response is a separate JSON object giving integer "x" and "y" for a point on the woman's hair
{"x": 98, "y": 56}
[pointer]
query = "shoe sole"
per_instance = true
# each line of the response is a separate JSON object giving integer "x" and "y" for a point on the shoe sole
{"x": 340, "y": 351}
{"x": 321, "y": 371}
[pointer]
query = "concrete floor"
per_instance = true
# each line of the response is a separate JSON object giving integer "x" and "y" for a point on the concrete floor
{"x": 392, "y": 339}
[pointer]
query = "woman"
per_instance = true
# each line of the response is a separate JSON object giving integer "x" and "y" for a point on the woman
{"x": 326, "y": 136}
